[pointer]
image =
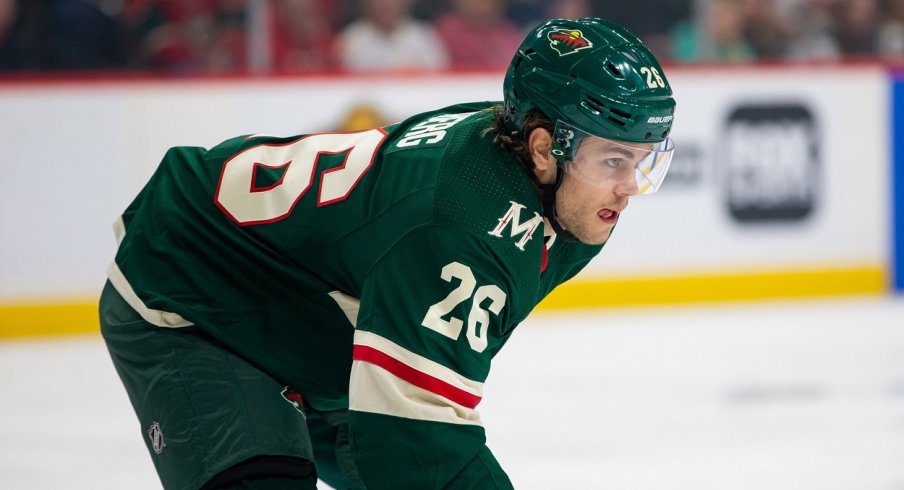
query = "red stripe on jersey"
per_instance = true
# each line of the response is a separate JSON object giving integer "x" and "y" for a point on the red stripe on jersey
{"x": 543, "y": 261}
{"x": 417, "y": 378}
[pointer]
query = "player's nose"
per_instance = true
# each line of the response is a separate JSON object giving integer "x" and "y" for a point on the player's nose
{"x": 626, "y": 185}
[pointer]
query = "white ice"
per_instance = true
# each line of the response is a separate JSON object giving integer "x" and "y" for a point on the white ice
{"x": 760, "y": 396}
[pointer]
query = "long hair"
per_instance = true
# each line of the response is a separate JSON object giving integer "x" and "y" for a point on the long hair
{"x": 516, "y": 143}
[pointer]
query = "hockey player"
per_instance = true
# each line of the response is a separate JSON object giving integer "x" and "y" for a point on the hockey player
{"x": 328, "y": 305}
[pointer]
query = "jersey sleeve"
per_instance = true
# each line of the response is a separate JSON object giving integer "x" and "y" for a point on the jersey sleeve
{"x": 434, "y": 311}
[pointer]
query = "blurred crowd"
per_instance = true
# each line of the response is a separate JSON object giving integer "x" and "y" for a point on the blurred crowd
{"x": 303, "y": 36}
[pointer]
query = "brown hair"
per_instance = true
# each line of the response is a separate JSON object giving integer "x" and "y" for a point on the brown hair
{"x": 517, "y": 143}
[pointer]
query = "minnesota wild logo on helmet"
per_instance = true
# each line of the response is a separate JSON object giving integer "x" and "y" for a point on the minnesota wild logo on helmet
{"x": 568, "y": 41}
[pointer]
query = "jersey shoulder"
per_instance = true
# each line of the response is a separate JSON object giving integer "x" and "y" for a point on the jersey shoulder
{"x": 482, "y": 188}
{"x": 477, "y": 181}
{"x": 480, "y": 191}
{"x": 479, "y": 186}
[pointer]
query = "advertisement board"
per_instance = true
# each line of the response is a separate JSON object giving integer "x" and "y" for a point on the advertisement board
{"x": 779, "y": 187}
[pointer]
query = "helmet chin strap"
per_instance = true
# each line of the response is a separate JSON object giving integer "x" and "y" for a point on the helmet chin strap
{"x": 549, "y": 206}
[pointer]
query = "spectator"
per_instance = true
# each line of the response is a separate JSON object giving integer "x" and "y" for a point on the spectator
{"x": 651, "y": 20}
{"x": 568, "y": 9}
{"x": 719, "y": 38}
{"x": 304, "y": 36}
{"x": 171, "y": 34}
{"x": 386, "y": 37}
{"x": 527, "y": 13}
{"x": 8, "y": 13}
{"x": 227, "y": 47}
{"x": 856, "y": 25}
{"x": 57, "y": 35}
{"x": 764, "y": 30}
{"x": 891, "y": 31}
{"x": 811, "y": 31}
{"x": 477, "y": 34}
{"x": 137, "y": 19}
{"x": 190, "y": 36}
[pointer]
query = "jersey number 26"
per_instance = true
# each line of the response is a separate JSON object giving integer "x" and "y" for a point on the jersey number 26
{"x": 478, "y": 317}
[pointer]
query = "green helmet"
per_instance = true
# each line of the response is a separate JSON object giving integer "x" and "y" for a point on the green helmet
{"x": 593, "y": 75}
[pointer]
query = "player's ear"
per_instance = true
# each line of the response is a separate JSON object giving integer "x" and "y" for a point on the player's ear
{"x": 540, "y": 143}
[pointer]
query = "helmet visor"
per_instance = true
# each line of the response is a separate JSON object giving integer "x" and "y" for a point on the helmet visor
{"x": 638, "y": 167}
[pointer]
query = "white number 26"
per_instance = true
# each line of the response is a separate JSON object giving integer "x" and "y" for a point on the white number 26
{"x": 478, "y": 318}
{"x": 654, "y": 79}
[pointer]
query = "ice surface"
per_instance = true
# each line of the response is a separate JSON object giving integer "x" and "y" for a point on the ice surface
{"x": 797, "y": 395}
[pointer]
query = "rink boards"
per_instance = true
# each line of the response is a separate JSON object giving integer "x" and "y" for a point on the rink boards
{"x": 783, "y": 184}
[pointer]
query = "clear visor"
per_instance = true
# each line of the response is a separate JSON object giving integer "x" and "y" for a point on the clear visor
{"x": 630, "y": 168}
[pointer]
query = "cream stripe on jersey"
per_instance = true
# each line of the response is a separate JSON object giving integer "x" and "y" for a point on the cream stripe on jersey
{"x": 373, "y": 389}
{"x": 155, "y": 317}
{"x": 119, "y": 281}
{"x": 348, "y": 304}
{"x": 418, "y": 362}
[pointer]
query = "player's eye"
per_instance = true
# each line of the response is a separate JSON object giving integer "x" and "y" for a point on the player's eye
{"x": 613, "y": 162}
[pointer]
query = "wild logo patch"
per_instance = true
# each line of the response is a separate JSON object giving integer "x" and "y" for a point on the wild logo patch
{"x": 294, "y": 398}
{"x": 568, "y": 41}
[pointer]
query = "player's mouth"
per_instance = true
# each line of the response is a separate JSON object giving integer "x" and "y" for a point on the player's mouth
{"x": 608, "y": 216}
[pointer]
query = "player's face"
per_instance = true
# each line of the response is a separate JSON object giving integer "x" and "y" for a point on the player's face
{"x": 596, "y": 188}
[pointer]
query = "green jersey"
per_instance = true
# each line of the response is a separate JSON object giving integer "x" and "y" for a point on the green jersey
{"x": 378, "y": 271}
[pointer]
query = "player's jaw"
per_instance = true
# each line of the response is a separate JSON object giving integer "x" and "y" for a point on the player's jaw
{"x": 589, "y": 212}
{"x": 591, "y": 223}
{"x": 604, "y": 220}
